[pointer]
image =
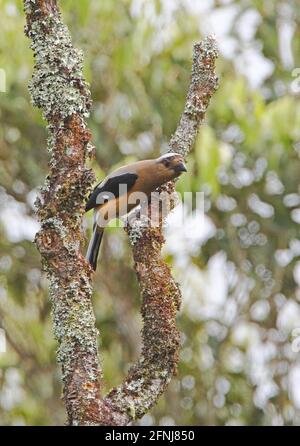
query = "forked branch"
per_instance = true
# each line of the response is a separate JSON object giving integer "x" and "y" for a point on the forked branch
{"x": 59, "y": 89}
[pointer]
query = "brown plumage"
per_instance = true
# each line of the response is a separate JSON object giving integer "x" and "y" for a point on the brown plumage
{"x": 116, "y": 195}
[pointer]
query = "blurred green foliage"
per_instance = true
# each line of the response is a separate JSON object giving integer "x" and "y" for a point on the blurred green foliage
{"x": 241, "y": 282}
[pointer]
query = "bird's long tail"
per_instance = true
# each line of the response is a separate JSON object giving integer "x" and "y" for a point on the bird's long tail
{"x": 94, "y": 246}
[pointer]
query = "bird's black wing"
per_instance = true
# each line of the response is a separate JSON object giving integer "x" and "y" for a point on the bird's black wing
{"x": 111, "y": 186}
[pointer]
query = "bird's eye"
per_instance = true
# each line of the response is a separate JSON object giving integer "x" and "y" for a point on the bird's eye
{"x": 166, "y": 163}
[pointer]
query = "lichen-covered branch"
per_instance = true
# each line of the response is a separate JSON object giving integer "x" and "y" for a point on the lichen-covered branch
{"x": 149, "y": 377}
{"x": 58, "y": 88}
{"x": 204, "y": 83}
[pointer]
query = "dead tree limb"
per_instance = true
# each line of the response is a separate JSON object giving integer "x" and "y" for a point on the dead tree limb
{"x": 58, "y": 88}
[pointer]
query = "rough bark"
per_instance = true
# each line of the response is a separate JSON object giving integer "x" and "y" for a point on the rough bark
{"x": 58, "y": 88}
{"x": 149, "y": 377}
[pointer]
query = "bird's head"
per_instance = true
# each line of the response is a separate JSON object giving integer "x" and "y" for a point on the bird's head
{"x": 171, "y": 165}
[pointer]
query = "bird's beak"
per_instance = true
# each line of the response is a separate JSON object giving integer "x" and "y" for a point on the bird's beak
{"x": 180, "y": 167}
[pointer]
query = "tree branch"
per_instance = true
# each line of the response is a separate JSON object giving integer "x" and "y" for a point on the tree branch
{"x": 149, "y": 377}
{"x": 58, "y": 88}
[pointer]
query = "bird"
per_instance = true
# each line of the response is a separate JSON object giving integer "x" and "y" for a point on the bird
{"x": 115, "y": 195}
